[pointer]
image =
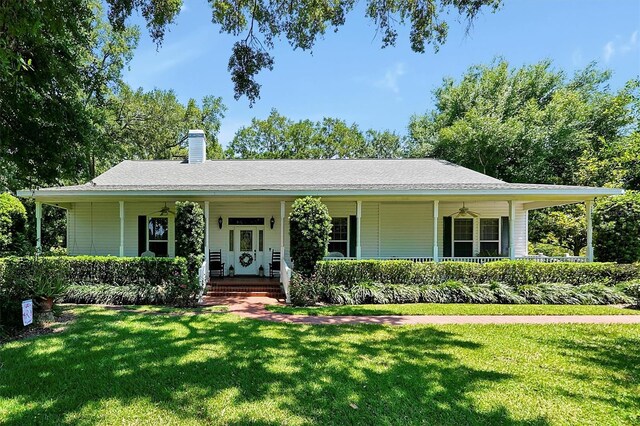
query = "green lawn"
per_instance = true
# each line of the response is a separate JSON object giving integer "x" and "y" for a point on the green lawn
{"x": 455, "y": 309}
{"x": 127, "y": 367}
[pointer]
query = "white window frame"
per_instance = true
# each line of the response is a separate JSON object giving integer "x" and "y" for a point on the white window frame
{"x": 480, "y": 240}
{"x": 453, "y": 235}
{"x": 149, "y": 218}
{"x": 342, "y": 241}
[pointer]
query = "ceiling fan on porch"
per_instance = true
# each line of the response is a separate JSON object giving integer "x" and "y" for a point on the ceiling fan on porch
{"x": 464, "y": 212}
{"x": 165, "y": 211}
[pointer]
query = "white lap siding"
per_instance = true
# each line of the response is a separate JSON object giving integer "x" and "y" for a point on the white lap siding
{"x": 94, "y": 228}
{"x": 487, "y": 209}
{"x": 403, "y": 229}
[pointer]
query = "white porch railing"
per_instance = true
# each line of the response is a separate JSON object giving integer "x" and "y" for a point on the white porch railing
{"x": 418, "y": 259}
{"x": 552, "y": 259}
{"x": 285, "y": 277}
{"x": 203, "y": 279}
{"x": 474, "y": 259}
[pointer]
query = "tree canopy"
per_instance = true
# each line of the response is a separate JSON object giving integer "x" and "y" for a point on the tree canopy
{"x": 280, "y": 137}
{"x": 530, "y": 124}
{"x": 258, "y": 24}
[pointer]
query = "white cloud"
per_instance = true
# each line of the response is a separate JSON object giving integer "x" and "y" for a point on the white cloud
{"x": 391, "y": 78}
{"x": 620, "y": 47}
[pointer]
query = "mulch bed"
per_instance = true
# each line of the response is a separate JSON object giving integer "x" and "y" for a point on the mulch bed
{"x": 59, "y": 324}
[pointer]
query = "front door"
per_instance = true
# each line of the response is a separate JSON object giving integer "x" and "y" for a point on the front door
{"x": 246, "y": 262}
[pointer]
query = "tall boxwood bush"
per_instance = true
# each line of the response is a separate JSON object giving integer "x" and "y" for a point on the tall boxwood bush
{"x": 190, "y": 233}
{"x": 310, "y": 228}
{"x": 616, "y": 223}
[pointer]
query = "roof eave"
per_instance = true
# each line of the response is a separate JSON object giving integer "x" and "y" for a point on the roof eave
{"x": 587, "y": 192}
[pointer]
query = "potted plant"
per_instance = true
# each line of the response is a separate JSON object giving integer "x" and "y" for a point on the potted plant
{"x": 46, "y": 288}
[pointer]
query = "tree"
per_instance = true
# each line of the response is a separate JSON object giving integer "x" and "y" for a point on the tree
{"x": 58, "y": 63}
{"x": 561, "y": 227}
{"x": 259, "y": 23}
{"x": 43, "y": 125}
{"x": 616, "y": 223}
{"x": 530, "y": 124}
{"x": 309, "y": 230}
{"x": 153, "y": 125}
{"x": 280, "y": 137}
{"x": 13, "y": 218}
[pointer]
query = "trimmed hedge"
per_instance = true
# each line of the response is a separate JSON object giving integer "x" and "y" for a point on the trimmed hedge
{"x": 403, "y": 281}
{"x": 511, "y": 272}
{"x": 97, "y": 279}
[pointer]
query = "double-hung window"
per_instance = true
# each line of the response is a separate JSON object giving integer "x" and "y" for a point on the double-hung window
{"x": 463, "y": 237}
{"x": 158, "y": 237}
{"x": 489, "y": 237}
{"x": 339, "y": 241}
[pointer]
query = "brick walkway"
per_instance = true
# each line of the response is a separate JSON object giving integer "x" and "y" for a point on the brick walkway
{"x": 253, "y": 308}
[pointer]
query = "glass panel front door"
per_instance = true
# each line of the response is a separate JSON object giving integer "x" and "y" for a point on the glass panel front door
{"x": 246, "y": 260}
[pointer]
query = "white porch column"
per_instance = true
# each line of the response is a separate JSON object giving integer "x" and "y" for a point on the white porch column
{"x": 589, "y": 212}
{"x": 436, "y": 216}
{"x": 38, "y": 227}
{"x": 358, "y": 229}
{"x": 512, "y": 230}
{"x": 282, "y": 210}
{"x": 121, "y": 228}
{"x": 206, "y": 233}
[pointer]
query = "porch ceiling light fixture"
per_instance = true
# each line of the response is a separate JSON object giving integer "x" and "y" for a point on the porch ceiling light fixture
{"x": 220, "y": 222}
{"x": 272, "y": 222}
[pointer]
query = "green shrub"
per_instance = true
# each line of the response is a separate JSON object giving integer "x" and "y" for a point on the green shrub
{"x": 303, "y": 291}
{"x": 632, "y": 290}
{"x": 513, "y": 273}
{"x": 190, "y": 234}
{"x": 13, "y": 219}
{"x": 93, "y": 279}
{"x": 399, "y": 281}
{"x": 616, "y": 222}
{"x": 309, "y": 230}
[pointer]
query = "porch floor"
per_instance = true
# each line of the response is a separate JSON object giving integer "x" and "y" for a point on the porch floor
{"x": 245, "y": 286}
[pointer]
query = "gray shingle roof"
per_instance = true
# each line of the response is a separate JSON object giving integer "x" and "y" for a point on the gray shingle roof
{"x": 296, "y": 175}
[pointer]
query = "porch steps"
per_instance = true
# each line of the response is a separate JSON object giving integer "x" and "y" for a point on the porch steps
{"x": 246, "y": 289}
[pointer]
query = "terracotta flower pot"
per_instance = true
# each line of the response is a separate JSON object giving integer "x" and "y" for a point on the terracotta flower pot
{"x": 46, "y": 304}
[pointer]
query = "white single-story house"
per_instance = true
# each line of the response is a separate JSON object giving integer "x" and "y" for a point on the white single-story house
{"x": 420, "y": 209}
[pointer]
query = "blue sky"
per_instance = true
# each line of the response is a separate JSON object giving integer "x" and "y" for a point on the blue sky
{"x": 349, "y": 76}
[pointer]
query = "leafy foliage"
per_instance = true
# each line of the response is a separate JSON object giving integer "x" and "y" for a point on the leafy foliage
{"x": 617, "y": 227}
{"x": 561, "y": 227}
{"x": 280, "y": 137}
{"x": 94, "y": 279}
{"x": 309, "y": 231}
{"x": 262, "y": 22}
{"x": 13, "y": 218}
{"x": 530, "y": 124}
{"x": 190, "y": 232}
{"x": 399, "y": 281}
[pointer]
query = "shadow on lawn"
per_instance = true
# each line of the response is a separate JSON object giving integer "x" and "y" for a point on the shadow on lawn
{"x": 324, "y": 375}
{"x": 621, "y": 357}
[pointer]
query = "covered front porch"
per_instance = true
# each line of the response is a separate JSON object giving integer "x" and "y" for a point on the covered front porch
{"x": 249, "y": 233}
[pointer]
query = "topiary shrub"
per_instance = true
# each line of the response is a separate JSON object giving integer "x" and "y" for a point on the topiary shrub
{"x": 190, "y": 234}
{"x": 13, "y": 219}
{"x": 616, "y": 225}
{"x": 309, "y": 230}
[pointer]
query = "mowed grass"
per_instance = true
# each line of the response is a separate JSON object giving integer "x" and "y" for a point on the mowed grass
{"x": 455, "y": 309}
{"x": 124, "y": 367}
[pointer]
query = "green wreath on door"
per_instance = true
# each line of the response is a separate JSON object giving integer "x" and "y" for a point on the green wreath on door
{"x": 245, "y": 259}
